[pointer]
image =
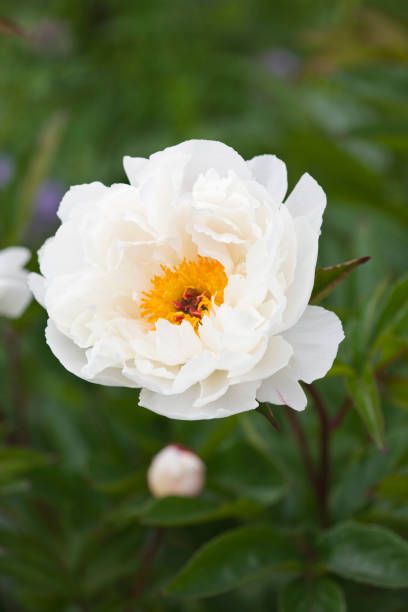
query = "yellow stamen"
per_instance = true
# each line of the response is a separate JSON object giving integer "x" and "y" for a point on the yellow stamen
{"x": 185, "y": 292}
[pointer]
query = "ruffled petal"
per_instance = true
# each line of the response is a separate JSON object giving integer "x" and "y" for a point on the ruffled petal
{"x": 203, "y": 155}
{"x": 63, "y": 253}
{"x": 315, "y": 340}
{"x": 134, "y": 167}
{"x": 74, "y": 359}
{"x": 271, "y": 172}
{"x": 238, "y": 398}
{"x": 276, "y": 357}
{"x": 79, "y": 197}
{"x": 37, "y": 285}
{"x": 283, "y": 389}
{"x": 298, "y": 293}
{"x": 308, "y": 200}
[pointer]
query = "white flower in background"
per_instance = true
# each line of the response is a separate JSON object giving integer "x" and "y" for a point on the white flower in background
{"x": 191, "y": 283}
{"x": 14, "y": 292}
{"x": 176, "y": 470}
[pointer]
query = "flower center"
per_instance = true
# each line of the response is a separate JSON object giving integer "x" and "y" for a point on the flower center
{"x": 185, "y": 292}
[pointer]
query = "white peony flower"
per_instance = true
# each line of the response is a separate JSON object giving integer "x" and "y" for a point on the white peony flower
{"x": 191, "y": 283}
{"x": 14, "y": 292}
{"x": 176, "y": 470}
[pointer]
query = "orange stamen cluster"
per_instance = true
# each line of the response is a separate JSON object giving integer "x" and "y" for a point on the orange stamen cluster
{"x": 185, "y": 292}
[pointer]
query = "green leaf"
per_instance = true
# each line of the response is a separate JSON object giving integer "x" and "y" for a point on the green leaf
{"x": 16, "y": 462}
{"x": 226, "y": 562}
{"x": 48, "y": 142}
{"x": 174, "y": 511}
{"x": 241, "y": 471}
{"x": 366, "y": 553}
{"x": 394, "y": 309}
{"x": 178, "y": 511}
{"x": 398, "y": 391}
{"x": 394, "y": 488}
{"x": 364, "y": 392}
{"x": 359, "y": 477}
{"x": 327, "y": 278}
{"x": 321, "y": 595}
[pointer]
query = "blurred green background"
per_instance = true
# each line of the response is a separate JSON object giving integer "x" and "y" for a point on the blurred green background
{"x": 321, "y": 84}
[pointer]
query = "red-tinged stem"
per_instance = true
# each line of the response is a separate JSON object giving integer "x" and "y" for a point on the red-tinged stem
{"x": 342, "y": 413}
{"x": 266, "y": 411}
{"x": 19, "y": 433}
{"x": 303, "y": 446}
{"x": 146, "y": 562}
{"x": 323, "y": 481}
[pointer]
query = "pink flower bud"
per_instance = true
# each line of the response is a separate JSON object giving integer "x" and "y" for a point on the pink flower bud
{"x": 176, "y": 470}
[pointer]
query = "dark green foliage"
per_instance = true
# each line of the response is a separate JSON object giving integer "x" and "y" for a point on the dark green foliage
{"x": 323, "y": 85}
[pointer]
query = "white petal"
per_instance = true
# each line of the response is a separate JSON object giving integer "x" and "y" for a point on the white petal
{"x": 283, "y": 389}
{"x": 271, "y": 172}
{"x": 308, "y": 200}
{"x": 79, "y": 197}
{"x": 238, "y": 398}
{"x": 194, "y": 370}
{"x": 13, "y": 258}
{"x": 175, "y": 344}
{"x": 276, "y": 357}
{"x": 37, "y": 285}
{"x": 63, "y": 253}
{"x": 133, "y": 167}
{"x": 203, "y": 155}
{"x": 74, "y": 359}
{"x": 212, "y": 388}
{"x": 298, "y": 294}
{"x": 315, "y": 340}
{"x": 14, "y": 296}
{"x": 238, "y": 363}
{"x": 178, "y": 406}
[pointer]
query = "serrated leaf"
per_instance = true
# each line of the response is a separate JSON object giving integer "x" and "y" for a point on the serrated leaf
{"x": 321, "y": 595}
{"x": 366, "y": 399}
{"x": 327, "y": 278}
{"x": 235, "y": 557}
{"x": 366, "y": 553}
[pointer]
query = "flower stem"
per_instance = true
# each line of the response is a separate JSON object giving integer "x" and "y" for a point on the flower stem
{"x": 266, "y": 411}
{"x": 342, "y": 413}
{"x": 303, "y": 446}
{"x": 323, "y": 478}
{"x": 19, "y": 432}
{"x": 146, "y": 561}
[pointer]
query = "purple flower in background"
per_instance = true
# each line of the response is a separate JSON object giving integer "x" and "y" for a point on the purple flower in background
{"x": 7, "y": 169}
{"x": 47, "y": 201}
{"x": 282, "y": 62}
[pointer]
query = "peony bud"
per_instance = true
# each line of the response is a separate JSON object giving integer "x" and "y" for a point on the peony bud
{"x": 176, "y": 470}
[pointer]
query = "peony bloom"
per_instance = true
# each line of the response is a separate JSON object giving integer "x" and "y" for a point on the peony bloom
{"x": 14, "y": 292}
{"x": 191, "y": 283}
{"x": 176, "y": 470}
